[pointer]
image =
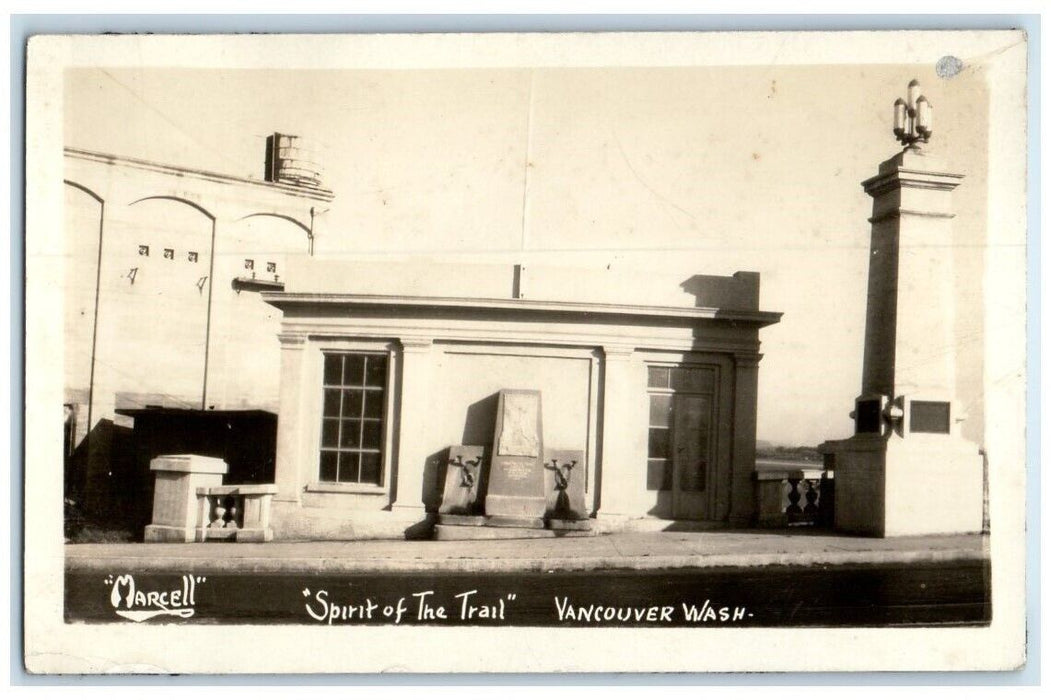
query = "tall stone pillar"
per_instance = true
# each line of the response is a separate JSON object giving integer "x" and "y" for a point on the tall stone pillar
{"x": 416, "y": 407}
{"x": 906, "y": 470}
{"x": 623, "y": 473}
{"x": 742, "y": 489}
{"x": 288, "y": 469}
{"x": 909, "y": 337}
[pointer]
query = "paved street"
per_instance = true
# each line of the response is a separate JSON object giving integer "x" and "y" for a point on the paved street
{"x": 624, "y": 550}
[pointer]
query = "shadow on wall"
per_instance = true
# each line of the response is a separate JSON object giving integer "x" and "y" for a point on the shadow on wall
{"x": 108, "y": 479}
{"x": 101, "y": 487}
{"x": 434, "y": 480}
{"x": 741, "y": 291}
{"x": 245, "y": 440}
{"x": 478, "y": 428}
{"x": 480, "y": 421}
{"x": 479, "y": 424}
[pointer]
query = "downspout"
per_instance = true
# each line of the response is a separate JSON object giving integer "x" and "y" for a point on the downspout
{"x": 95, "y": 322}
{"x": 208, "y": 321}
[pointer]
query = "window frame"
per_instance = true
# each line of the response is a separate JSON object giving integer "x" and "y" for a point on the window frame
{"x": 315, "y": 483}
{"x": 713, "y": 423}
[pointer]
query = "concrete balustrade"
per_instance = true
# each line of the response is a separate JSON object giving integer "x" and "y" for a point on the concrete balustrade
{"x": 191, "y": 503}
{"x": 243, "y": 511}
{"x": 793, "y": 496}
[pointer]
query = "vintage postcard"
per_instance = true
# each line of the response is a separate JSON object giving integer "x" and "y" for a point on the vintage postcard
{"x": 560, "y": 352}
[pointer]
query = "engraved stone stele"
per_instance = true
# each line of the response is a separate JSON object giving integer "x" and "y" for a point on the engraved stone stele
{"x": 518, "y": 434}
{"x": 465, "y": 477}
{"x": 515, "y": 495}
{"x": 564, "y": 475}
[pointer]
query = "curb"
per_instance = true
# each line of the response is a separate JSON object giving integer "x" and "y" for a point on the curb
{"x": 315, "y": 565}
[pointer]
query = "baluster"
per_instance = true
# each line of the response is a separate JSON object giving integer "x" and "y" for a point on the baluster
{"x": 231, "y": 524}
{"x": 811, "y": 509}
{"x": 826, "y": 505}
{"x": 220, "y": 512}
{"x": 793, "y": 510}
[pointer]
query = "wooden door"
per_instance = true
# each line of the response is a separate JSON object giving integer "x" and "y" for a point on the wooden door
{"x": 692, "y": 456}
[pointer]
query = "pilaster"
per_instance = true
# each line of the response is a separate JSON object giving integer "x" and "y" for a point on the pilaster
{"x": 743, "y": 506}
{"x": 622, "y": 475}
{"x": 293, "y": 420}
{"x": 416, "y": 405}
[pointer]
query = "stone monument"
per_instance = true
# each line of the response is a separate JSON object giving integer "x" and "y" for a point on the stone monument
{"x": 564, "y": 485}
{"x": 906, "y": 470}
{"x": 465, "y": 475}
{"x": 515, "y": 497}
{"x": 514, "y": 488}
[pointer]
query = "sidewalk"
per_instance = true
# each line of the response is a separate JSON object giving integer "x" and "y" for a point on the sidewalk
{"x": 628, "y": 550}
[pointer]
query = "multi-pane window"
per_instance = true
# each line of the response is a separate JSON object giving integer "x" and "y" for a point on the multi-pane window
{"x": 355, "y": 391}
{"x": 681, "y": 403}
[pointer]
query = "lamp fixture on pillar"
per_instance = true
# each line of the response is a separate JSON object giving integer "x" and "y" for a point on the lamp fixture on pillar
{"x": 912, "y": 117}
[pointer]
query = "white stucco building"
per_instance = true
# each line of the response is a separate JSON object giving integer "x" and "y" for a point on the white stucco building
{"x": 384, "y": 367}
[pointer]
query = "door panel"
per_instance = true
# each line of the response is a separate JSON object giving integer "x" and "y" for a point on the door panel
{"x": 691, "y": 455}
{"x": 688, "y": 460}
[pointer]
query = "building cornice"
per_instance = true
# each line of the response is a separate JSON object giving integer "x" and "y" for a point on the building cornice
{"x": 755, "y": 319}
{"x": 319, "y": 195}
{"x": 900, "y": 178}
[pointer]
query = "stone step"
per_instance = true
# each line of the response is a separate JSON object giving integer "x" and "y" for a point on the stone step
{"x": 472, "y": 532}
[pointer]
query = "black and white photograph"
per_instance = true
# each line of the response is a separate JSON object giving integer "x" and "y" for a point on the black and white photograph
{"x": 663, "y": 351}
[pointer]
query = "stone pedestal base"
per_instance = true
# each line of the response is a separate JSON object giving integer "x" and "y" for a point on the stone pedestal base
{"x": 574, "y": 525}
{"x": 509, "y": 521}
{"x": 919, "y": 485}
{"x": 516, "y": 506}
{"x": 467, "y": 532}
{"x": 169, "y": 533}
{"x": 455, "y": 519}
{"x": 489, "y": 527}
{"x": 175, "y": 494}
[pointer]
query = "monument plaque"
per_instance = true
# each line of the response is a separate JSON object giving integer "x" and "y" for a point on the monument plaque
{"x": 515, "y": 495}
{"x": 465, "y": 472}
{"x": 518, "y": 433}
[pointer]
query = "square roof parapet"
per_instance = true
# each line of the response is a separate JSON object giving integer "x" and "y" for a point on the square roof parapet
{"x": 455, "y": 288}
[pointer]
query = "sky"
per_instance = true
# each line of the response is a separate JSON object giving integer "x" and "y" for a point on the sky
{"x": 680, "y": 170}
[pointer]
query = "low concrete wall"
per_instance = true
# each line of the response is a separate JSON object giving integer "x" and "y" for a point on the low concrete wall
{"x": 293, "y": 522}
